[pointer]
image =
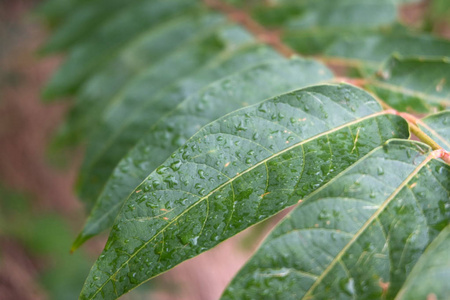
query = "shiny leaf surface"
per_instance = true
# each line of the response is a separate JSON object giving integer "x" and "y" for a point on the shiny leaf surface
{"x": 173, "y": 129}
{"x": 235, "y": 172}
{"x": 358, "y": 237}
{"x": 156, "y": 92}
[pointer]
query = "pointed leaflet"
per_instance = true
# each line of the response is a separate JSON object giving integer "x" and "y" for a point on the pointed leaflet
{"x": 156, "y": 92}
{"x": 139, "y": 55}
{"x": 107, "y": 40}
{"x": 358, "y": 237}
{"x": 172, "y": 130}
{"x": 430, "y": 276}
{"x": 416, "y": 84}
{"x": 437, "y": 126}
{"x": 236, "y": 172}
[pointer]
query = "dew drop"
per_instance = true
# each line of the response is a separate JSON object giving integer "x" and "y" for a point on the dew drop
{"x": 201, "y": 173}
{"x": 176, "y": 165}
{"x": 380, "y": 171}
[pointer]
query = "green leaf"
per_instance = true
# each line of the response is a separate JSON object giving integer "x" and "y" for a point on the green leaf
{"x": 437, "y": 126}
{"x": 140, "y": 55}
{"x": 439, "y": 10}
{"x": 359, "y": 236}
{"x": 235, "y": 172}
{"x": 104, "y": 44}
{"x": 371, "y": 50}
{"x": 323, "y": 15}
{"x": 416, "y": 84}
{"x": 310, "y": 26}
{"x": 163, "y": 87}
{"x": 82, "y": 22}
{"x": 244, "y": 88}
{"x": 429, "y": 277}
{"x": 55, "y": 12}
{"x": 350, "y": 32}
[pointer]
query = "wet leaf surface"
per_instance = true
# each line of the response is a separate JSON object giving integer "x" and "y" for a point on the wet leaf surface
{"x": 358, "y": 237}
{"x": 236, "y": 172}
{"x": 171, "y": 131}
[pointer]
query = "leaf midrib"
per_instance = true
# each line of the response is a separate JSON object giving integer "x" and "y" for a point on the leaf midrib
{"x": 359, "y": 120}
{"x": 172, "y": 113}
{"x": 375, "y": 216}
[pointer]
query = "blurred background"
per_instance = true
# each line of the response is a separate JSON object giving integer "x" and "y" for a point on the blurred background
{"x": 39, "y": 214}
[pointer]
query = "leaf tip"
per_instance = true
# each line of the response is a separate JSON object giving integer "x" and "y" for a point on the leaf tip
{"x": 78, "y": 242}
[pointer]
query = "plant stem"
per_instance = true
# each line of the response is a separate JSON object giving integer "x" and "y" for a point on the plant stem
{"x": 422, "y": 136}
{"x": 418, "y": 132}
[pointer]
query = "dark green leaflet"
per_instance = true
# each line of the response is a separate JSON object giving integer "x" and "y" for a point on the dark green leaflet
{"x": 370, "y": 50}
{"x": 82, "y": 22}
{"x": 142, "y": 54}
{"x": 108, "y": 39}
{"x": 429, "y": 277}
{"x": 318, "y": 15}
{"x": 416, "y": 84}
{"x": 244, "y": 88}
{"x": 366, "y": 228}
{"x": 359, "y": 33}
{"x": 234, "y": 173}
{"x": 311, "y": 26}
{"x": 55, "y": 12}
{"x": 157, "y": 91}
{"x": 437, "y": 126}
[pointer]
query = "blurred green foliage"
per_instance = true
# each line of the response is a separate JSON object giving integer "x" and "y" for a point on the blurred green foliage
{"x": 47, "y": 237}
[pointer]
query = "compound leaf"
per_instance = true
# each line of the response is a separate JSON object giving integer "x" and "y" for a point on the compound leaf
{"x": 359, "y": 236}
{"x": 155, "y": 92}
{"x": 108, "y": 39}
{"x": 241, "y": 89}
{"x": 145, "y": 52}
{"x": 235, "y": 172}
